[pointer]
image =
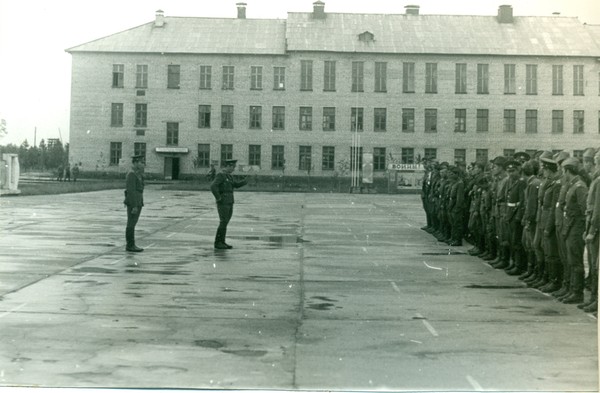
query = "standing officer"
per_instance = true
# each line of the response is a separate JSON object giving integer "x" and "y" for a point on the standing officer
{"x": 591, "y": 235}
{"x": 456, "y": 206}
{"x": 515, "y": 198}
{"x": 134, "y": 200}
{"x": 559, "y": 220}
{"x": 574, "y": 228}
{"x": 529, "y": 222}
{"x": 222, "y": 188}
{"x": 499, "y": 171}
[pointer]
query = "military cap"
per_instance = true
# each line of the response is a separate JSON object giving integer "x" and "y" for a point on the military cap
{"x": 500, "y": 161}
{"x": 521, "y": 156}
{"x": 560, "y": 157}
{"x": 454, "y": 169}
{"x": 512, "y": 165}
{"x": 137, "y": 157}
{"x": 546, "y": 154}
{"x": 549, "y": 163}
{"x": 230, "y": 162}
{"x": 589, "y": 153}
{"x": 570, "y": 162}
{"x": 444, "y": 165}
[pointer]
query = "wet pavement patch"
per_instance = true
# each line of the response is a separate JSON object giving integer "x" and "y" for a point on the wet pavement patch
{"x": 245, "y": 352}
{"x": 91, "y": 269}
{"x": 476, "y": 286}
{"x": 445, "y": 253}
{"x": 322, "y": 306}
{"x": 214, "y": 344}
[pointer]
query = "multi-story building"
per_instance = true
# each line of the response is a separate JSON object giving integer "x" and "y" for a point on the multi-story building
{"x": 295, "y": 93}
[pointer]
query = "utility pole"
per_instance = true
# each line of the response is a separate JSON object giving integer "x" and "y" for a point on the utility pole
{"x": 35, "y": 136}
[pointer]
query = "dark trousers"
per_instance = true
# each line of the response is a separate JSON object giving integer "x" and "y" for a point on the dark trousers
{"x": 592, "y": 248}
{"x": 132, "y": 220}
{"x": 575, "y": 247}
{"x": 225, "y": 212}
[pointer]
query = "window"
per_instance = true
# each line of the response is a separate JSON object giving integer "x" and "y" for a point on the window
{"x": 254, "y": 155}
{"x": 460, "y": 120}
{"x": 255, "y": 117}
{"x": 328, "y": 158}
{"x": 141, "y": 114}
{"x": 460, "y": 156}
{"x": 226, "y": 153}
{"x": 380, "y": 116}
{"x": 430, "y": 154}
{"x": 172, "y": 133}
{"x": 531, "y": 79}
{"x": 305, "y": 118}
{"x": 510, "y": 120}
{"x": 380, "y": 77}
{"x": 255, "y": 78}
{"x": 461, "y": 79}
{"x": 226, "y": 116}
{"x": 140, "y": 132}
{"x": 306, "y": 78}
{"x": 578, "y": 121}
{"x": 379, "y": 158}
{"x": 483, "y": 78}
{"x": 173, "y": 76}
{"x": 277, "y": 157}
{"x": 116, "y": 115}
{"x": 203, "y": 116}
{"x": 577, "y": 80}
{"x": 531, "y": 120}
{"x": 508, "y": 153}
{"x": 430, "y": 77}
{"x": 356, "y": 119}
{"x": 483, "y": 120}
{"x": 408, "y": 77}
{"x": 118, "y": 75}
{"x": 408, "y": 155}
{"x": 278, "y": 78}
{"x": 278, "y": 117}
{"x": 481, "y": 155}
{"x": 354, "y": 154}
{"x": 141, "y": 76}
{"x": 557, "y": 121}
{"x": 357, "y": 76}
{"x": 206, "y": 77}
{"x": 328, "y": 119}
{"x": 139, "y": 149}
{"x": 329, "y": 76}
{"x": 228, "y": 75}
{"x": 510, "y": 86}
{"x": 304, "y": 158}
{"x": 116, "y": 151}
{"x": 557, "y": 80}
{"x": 408, "y": 120}
{"x": 430, "y": 120}
{"x": 203, "y": 160}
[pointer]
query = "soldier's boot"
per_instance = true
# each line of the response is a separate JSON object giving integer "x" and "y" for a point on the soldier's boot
{"x": 592, "y": 307}
{"x": 531, "y": 266}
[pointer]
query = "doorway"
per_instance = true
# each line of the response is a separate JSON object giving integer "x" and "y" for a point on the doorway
{"x": 171, "y": 168}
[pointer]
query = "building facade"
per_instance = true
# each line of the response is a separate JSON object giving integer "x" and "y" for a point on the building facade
{"x": 292, "y": 95}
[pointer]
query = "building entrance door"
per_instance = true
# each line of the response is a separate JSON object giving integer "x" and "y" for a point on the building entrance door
{"x": 171, "y": 168}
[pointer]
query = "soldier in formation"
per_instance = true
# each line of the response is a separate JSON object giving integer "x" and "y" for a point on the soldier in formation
{"x": 535, "y": 217}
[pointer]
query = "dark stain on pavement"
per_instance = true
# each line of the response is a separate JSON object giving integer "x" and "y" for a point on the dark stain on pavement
{"x": 245, "y": 352}
{"x": 214, "y": 344}
{"x": 476, "y": 286}
{"x": 326, "y": 299}
{"x": 91, "y": 269}
{"x": 548, "y": 312}
{"x": 322, "y": 306}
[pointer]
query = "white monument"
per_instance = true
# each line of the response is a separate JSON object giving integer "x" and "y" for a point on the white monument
{"x": 9, "y": 174}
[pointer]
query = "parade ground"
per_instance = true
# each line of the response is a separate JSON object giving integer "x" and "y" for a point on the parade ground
{"x": 320, "y": 292}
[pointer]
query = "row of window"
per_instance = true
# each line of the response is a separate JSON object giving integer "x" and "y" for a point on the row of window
{"x": 357, "y": 119}
{"x": 357, "y": 83}
{"x": 328, "y": 155}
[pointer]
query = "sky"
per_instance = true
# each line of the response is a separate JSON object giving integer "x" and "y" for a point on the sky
{"x": 35, "y": 70}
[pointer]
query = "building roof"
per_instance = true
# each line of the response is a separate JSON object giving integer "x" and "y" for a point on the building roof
{"x": 441, "y": 34}
{"x": 339, "y": 32}
{"x": 196, "y": 35}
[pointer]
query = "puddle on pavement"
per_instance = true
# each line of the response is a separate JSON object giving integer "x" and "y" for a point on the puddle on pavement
{"x": 445, "y": 253}
{"x": 322, "y": 306}
{"x": 277, "y": 240}
{"x": 245, "y": 352}
{"x": 94, "y": 270}
{"x": 494, "y": 286}
{"x": 214, "y": 344}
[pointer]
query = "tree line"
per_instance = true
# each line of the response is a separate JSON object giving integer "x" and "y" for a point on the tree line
{"x": 42, "y": 157}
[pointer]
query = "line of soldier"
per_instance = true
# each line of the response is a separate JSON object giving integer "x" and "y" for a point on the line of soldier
{"x": 534, "y": 217}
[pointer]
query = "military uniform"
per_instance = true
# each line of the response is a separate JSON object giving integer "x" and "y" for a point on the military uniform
{"x": 222, "y": 189}
{"x": 134, "y": 200}
{"x": 515, "y": 197}
{"x": 456, "y": 208}
{"x": 573, "y": 230}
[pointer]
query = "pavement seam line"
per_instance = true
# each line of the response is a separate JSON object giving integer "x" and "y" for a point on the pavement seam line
{"x": 17, "y": 308}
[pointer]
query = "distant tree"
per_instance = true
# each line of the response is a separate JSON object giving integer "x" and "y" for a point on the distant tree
{"x": 56, "y": 155}
{"x": 43, "y": 155}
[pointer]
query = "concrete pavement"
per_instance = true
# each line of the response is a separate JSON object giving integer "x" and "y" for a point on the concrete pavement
{"x": 322, "y": 291}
